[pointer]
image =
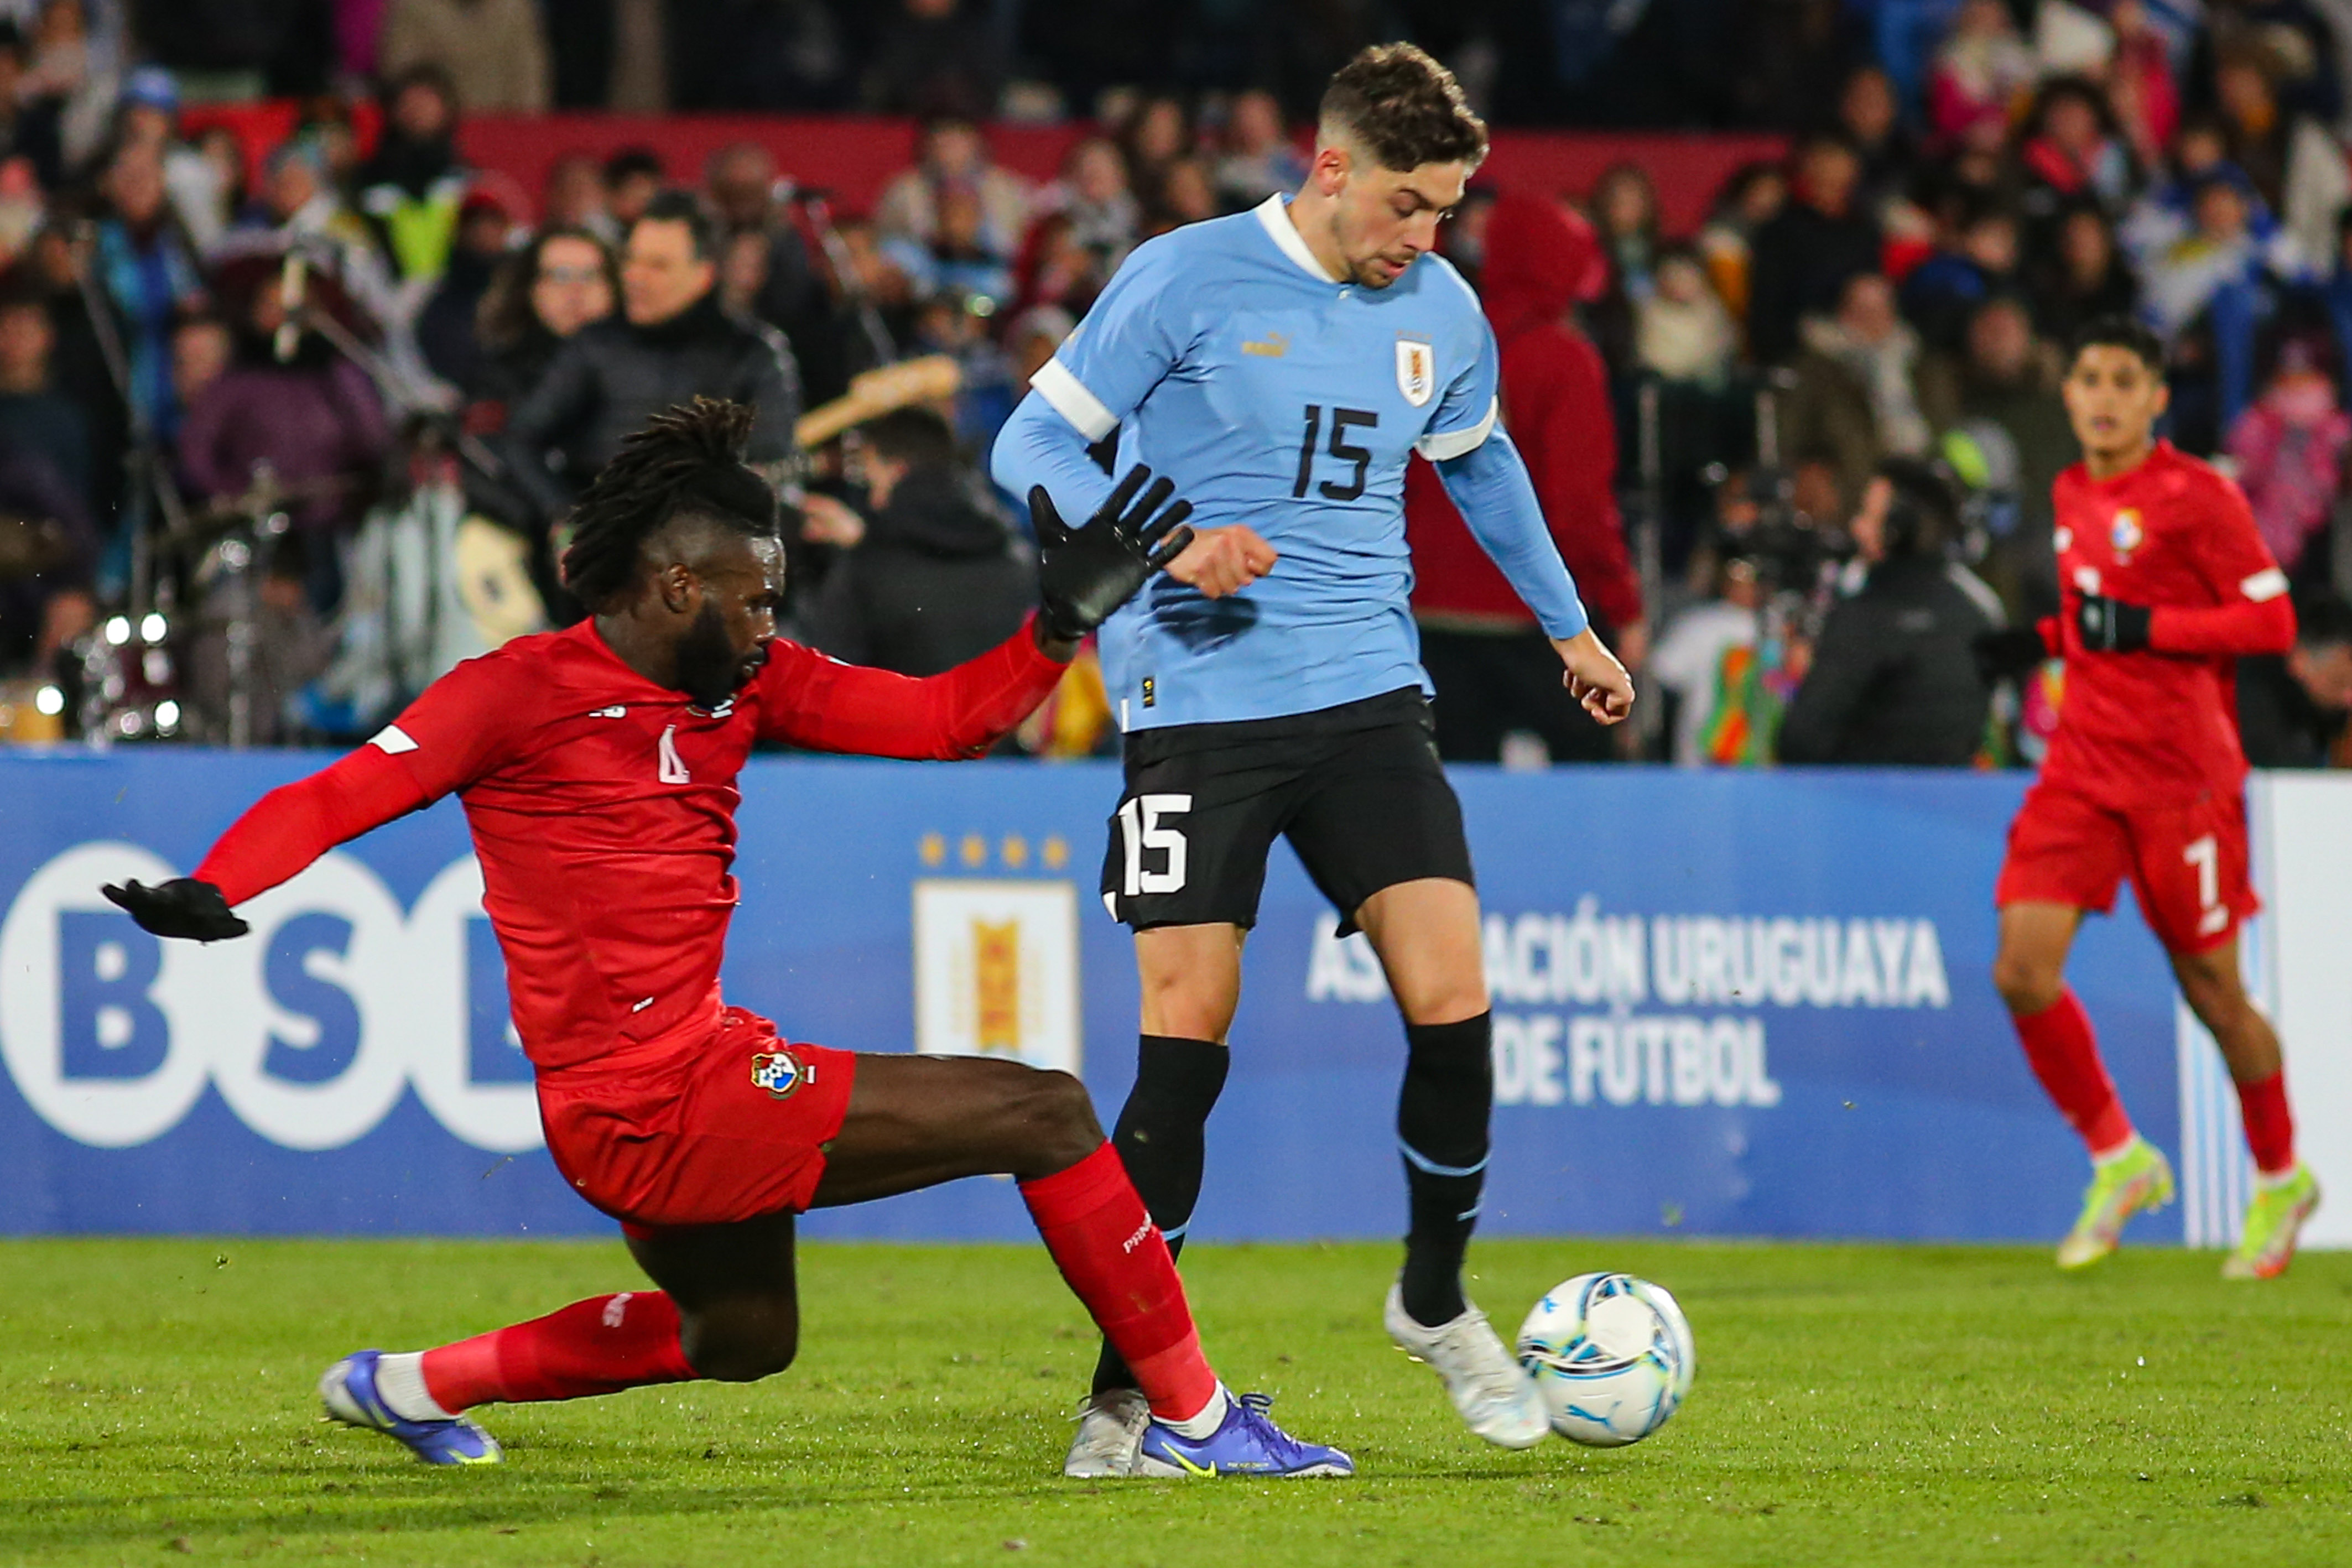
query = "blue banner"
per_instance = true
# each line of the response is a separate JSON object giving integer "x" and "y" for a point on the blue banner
{"x": 1724, "y": 1004}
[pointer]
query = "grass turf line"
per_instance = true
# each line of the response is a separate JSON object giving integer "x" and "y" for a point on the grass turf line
{"x": 1854, "y": 1405}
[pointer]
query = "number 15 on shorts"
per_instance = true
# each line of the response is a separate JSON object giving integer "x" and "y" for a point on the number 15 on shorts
{"x": 1144, "y": 830}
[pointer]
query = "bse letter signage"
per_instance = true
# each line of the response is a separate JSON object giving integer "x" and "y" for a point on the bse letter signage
{"x": 996, "y": 970}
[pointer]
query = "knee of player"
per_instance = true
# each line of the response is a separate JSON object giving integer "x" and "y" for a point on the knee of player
{"x": 2027, "y": 986}
{"x": 742, "y": 1345}
{"x": 1060, "y": 1115}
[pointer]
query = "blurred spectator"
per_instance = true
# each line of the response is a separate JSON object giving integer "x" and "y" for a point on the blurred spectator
{"x": 560, "y": 282}
{"x": 145, "y": 264}
{"x": 939, "y": 577}
{"x": 2071, "y": 152}
{"x": 2296, "y": 41}
{"x": 1751, "y": 198}
{"x": 2163, "y": 214}
{"x": 2084, "y": 277}
{"x": 2289, "y": 448}
{"x": 953, "y": 154}
{"x": 781, "y": 286}
{"x": 633, "y": 176}
{"x": 958, "y": 259}
{"x": 2221, "y": 251}
{"x": 1692, "y": 663}
{"x": 300, "y": 209}
{"x": 200, "y": 349}
{"x": 411, "y": 189}
{"x": 313, "y": 419}
{"x": 52, "y": 266}
{"x": 1855, "y": 397}
{"x": 1682, "y": 333}
{"x": 1156, "y": 133}
{"x": 22, "y": 207}
{"x": 1893, "y": 680}
{"x": 492, "y": 52}
{"x": 78, "y": 73}
{"x": 1870, "y": 117}
{"x": 1032, "y": 338}
{"x": 1625, "y": 214}
{"x": 873, "y": 294}
{"x": 445, "y": 331}
{"x": 1493, "y": 669}
{"x": 1995, "y": 406}
{"x": 2294, "y": 163}
{"x": 1981, "y": 74}
{"x": 34, "y": 417}
{"x": 936, "y": 57}
{"x": 1184, "y": 193}
{"x": 200, "y": 191}
{"x": 2142, "y": 92}
{"x": 2291, "y": 707}
{"x": 29, "y": 129}
{"x": 1257, "y": 157}
{"x": 1805, "y": 253}
{"x": 671, "y": 342}
{"x": 1974, "y": 258}
{"x": 573, "y": 198}
{"x": 1093, "y": 198}
{"x": 50, "y": 550}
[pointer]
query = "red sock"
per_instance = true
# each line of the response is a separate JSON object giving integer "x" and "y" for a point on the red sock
{"x": 2270, "y": 1125}
{"x": 1116, "y": 1263}
{"x": 601, "y": 1346}
{"x": 2065, "y": 1056}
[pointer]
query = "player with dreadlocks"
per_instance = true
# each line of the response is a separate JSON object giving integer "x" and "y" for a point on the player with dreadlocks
{"x": 597, "y": 768}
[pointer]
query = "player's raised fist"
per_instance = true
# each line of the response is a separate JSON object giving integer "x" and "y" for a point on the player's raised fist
{"x": 1086, "y": 574}
{"x": 1223, "y": 560}
{"x": 180, "y": 907}
{"x": 1594, "y": 677}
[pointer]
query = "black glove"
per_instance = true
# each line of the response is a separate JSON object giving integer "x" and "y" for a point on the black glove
{"x": 1086, "y": 574}
{"x": 2110, "y": 625}
{"x": 180, "y": 907}
{"x": 2009, "y": 654}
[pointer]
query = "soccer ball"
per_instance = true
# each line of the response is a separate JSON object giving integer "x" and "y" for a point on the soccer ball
{"x": 1612, "y": 1356}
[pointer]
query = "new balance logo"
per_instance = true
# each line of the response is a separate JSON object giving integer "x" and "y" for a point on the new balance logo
{"x": 673, "y": 768}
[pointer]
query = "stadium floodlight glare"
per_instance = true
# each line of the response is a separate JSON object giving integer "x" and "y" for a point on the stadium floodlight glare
{"x": 167, "y": 716}
{"x": 118, "y": 629}
{"x": 152, "y": 627}
{"x": 49, "y": 700}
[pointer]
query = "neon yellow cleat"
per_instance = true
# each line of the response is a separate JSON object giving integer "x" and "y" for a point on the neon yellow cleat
{"x": 2140, "y": 1179}
{"x": 2273, "y": 1222}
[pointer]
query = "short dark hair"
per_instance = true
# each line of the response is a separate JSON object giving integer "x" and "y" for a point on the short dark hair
{"x": 2119, "y": 332}
{"x": 1925, "y": 515}
{"x": 687, "y": 461}
{"x": 918, "y": 437}
{"x": 684, "y": 207}
{"x": 631, "y": 161}
{"x": 2323, "y": 621}
{"x": 1405, "y": 107}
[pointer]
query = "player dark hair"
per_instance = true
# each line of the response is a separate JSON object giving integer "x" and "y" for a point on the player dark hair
{"x": 630, "y": 162}
{"x": 918, "y": 437}
{"x": 684, "y": 207}
{"x": 1923, "y": 515}
{"x": 2323, "y": 621}
{"x": 2119, "y": 332}
{"x": 687, "y": 461}
{"x": 1405, "y": 107}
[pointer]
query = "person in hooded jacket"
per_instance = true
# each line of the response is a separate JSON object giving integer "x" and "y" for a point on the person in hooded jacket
{"x": 938, "y": 577}
{"x": 1493, "y": 669}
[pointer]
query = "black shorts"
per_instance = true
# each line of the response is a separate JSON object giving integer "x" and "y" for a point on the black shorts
{"x": 1356, "y": 788}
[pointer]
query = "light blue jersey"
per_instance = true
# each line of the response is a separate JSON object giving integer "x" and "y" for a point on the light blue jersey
{"x": 1275, "y": 397}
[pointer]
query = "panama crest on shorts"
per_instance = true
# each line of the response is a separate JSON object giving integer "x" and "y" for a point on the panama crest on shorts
{"x": 781, "y": 1074}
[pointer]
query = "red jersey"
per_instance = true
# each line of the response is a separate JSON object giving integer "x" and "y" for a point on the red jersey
{"x": 603, "y": 809}
{"x": 2160, "y": 727}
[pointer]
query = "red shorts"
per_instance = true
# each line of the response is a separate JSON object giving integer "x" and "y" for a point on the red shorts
{"x": 2187, "y": 863}
{"x": 724, "y": 1124}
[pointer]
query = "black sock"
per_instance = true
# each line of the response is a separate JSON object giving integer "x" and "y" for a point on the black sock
{"x": 1159, "y": 1139}
{"x": 1442, "y": 1112}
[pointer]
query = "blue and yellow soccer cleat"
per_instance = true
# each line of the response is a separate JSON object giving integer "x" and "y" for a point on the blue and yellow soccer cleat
{"x": 348, "y": 1388}
{"x": 1248, "y": 1443}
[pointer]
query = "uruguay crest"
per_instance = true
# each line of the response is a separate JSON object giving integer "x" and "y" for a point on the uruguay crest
{"x": 1416, "y": 370}
{"x": 781, "y": 1074}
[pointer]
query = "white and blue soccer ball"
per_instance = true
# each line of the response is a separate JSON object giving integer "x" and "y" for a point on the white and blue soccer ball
{"x": 1612, "y": 1356}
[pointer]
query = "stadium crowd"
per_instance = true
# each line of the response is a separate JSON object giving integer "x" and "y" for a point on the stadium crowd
{"x": 351, "y": 385}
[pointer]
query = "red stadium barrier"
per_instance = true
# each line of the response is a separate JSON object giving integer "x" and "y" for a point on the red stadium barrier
{"x": 852, "y": 156}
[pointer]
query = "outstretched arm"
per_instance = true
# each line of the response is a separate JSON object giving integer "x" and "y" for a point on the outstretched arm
{"x": 821, "y": 704}
{"x": 296, "y": 823}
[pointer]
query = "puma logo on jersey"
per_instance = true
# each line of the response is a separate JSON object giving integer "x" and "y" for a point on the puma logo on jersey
{"x": 615, "y": 711}
{"x": 1276, "y": 345}
{"x": 672, "y": 767}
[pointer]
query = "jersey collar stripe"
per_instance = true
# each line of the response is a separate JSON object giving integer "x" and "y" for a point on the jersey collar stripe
{"x": 1442, "y": 445}
{"x": 2265, "y": 584}
{"x": 1273, "y": 217}
{"x": 1068, "y": 397}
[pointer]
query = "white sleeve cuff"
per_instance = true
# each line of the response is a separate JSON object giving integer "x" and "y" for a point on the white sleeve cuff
{"x": 2265, "y": 584}
{"x": 1068, "y": 397}
{"x": 1442, "y": 445}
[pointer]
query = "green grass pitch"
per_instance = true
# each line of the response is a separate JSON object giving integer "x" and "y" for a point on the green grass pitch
{"x": 1911, "y": 1406}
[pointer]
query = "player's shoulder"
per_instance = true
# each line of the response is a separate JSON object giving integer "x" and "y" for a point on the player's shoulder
{"x": 1180, "y": 253}
{"x": 1443, "y": 283}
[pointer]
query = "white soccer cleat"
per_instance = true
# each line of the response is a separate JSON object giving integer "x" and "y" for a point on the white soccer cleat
{"x": 1487, "y": 1384}
{"x": 1110, "y": 1427}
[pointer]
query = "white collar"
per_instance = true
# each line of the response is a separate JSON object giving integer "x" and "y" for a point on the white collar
{"x": 1273, "y": 217}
